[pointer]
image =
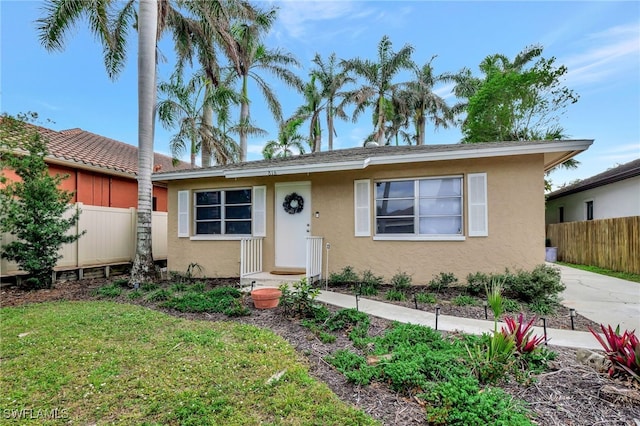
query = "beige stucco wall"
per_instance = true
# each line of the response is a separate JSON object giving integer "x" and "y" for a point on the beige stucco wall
{"x": 515, "y": 187}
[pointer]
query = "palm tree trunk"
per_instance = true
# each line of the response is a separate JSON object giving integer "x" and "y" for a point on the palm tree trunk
{"x": 244, "y": 119}
{"x": 421, "y": 129}
{"x": 143, "y": 267}
{"x": 330, "y": 125}
{"x": 207, "y": 120}
{"x": 381, "y": 119}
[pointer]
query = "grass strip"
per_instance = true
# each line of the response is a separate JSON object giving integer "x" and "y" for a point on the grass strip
{"x": 103, "y": 362}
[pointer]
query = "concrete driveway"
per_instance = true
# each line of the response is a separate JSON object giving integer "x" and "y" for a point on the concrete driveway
{"x": 605, "y": 300}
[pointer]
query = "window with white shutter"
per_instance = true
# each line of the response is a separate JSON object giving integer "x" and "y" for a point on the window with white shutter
{"x": 183, "y": 214}
{"x": 362, "y": 206}
{"x": 477, "y": 202}
{"x": 259, "y": 211}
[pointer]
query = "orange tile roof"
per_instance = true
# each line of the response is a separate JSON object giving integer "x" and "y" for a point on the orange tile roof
{"x": 81, "y": 146}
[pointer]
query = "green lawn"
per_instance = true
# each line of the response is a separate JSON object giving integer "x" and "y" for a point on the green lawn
{"x": 622, "y": 275}
{"x": 102, "y": 362}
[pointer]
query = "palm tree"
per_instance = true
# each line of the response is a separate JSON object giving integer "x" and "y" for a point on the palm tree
{"x": 423, "y": 103}
{"x": 253, "y": 56}
{"x": 288, "y": 138}
{"x": 378, "y": 87}
{"x": 311, "y": 110}
{"x": 185, "y": 105}
{"x": 209, "y": 32}
{"x": 331, "y": 82}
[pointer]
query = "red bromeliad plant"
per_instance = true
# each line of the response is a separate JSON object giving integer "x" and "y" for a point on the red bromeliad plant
{"x": 622, "y": 350}
{"x": 522, "y": 334}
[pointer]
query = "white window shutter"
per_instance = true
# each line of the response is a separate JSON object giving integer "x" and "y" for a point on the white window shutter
{"x": 362, "y": 206}
{"x": 477, "y": 201}
{"x": 183, "y": 214}
{"x": 259, "y": 211}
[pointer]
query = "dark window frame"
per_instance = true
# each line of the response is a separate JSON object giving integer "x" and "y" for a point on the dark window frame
{"x": 223, "y": 206}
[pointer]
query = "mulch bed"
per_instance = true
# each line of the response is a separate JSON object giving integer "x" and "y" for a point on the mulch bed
{"x": 569, "y": 394}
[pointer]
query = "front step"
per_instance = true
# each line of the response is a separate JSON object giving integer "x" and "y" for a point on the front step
{"x": 266, "y": 279}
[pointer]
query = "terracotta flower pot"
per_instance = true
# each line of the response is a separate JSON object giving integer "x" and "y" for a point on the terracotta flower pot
{"x": 266, "y": 298}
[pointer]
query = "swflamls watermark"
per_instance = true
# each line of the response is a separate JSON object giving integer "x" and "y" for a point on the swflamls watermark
{"x": 35, "y": 414}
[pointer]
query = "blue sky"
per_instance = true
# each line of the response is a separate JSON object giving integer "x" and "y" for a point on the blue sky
{"x": 599, "y": 42}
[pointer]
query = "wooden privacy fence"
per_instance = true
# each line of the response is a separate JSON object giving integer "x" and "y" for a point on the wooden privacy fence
{"x": 110, "y": 239}
{"x": 608, "y": 243}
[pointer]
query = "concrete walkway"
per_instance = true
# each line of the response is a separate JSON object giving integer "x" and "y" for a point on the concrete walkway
{"x": 605, "y": 300}
{"x": 600, "y": 298}
{"x": 568, "y": 338}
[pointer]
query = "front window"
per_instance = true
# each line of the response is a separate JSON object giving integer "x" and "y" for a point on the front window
{"x": 589, "y": 210}
{"x": 223, "y": 212}
{"x": 426, "y": 207}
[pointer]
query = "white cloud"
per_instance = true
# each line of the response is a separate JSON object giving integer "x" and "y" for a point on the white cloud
{"x": 295, "y": 16}
{"x": 610, "y": 52}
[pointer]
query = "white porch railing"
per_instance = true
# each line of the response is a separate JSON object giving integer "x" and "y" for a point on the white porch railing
{"x": 250, "y": 256}
{"x": 314, "y": 259}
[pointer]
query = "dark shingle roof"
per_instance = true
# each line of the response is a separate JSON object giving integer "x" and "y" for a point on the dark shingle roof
{"x": 616, "y": 174}
{"x": 361, "y": 157}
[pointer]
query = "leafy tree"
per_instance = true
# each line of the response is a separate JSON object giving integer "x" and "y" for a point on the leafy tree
{"x": 378, "y": 82}
{"x": 512, "y": 101}
{"x": 32, "y": 208}
{"x": 288, "y": 138}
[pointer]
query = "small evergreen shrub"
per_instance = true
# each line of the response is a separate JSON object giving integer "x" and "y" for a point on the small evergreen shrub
{"x": 108, "y": 290}
{"x": 395, "y": 295}
{"x": 369, "y": 284}
{"x": 476, "y": 283}
{"x": 347, "y": 275}
{"x": 159, "y": 295}
{"x": 464, "y": 300}
{"x": 401, "y": 281}
{"x": 425, "y": 298}
{"x": 441, "y": 281}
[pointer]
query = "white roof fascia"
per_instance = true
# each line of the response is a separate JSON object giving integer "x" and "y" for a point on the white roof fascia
{"x": 297, "y": 169}
{"x": 187, "y": 175}
{"x": 482, "y": 152}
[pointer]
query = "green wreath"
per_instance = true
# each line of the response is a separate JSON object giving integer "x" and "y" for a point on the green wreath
{"x": 293, "y": 203}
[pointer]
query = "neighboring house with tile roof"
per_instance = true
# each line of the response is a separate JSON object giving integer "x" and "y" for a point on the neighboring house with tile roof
{"x": 612, "y": 193}
{"x": 102, "y": 171}
{"x": 460, "y": 208}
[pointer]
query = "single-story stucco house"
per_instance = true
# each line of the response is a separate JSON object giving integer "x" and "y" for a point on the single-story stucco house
{"x": 459, "y": 208}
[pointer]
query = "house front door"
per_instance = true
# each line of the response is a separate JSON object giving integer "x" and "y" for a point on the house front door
{"x": 293, "y": 223}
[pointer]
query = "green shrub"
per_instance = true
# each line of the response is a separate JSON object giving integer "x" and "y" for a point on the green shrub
{"x": 441, "y": 281}
{"x": 353, "y": 366}
{"x": 198, "y": 287}
{"x": 108, "y": 290}
{"x": 511, "y": 306}
{"x": 220, "y": 299}
{"x": 369, "y": 283}
{"x": 543, "y": 307}
{"x": 347, "y": 275}
{"x": 346, "y": 318}
{"x": 462, "y": 402}
{"x": 159, "y": 295}
{"x": 425, "y": 298}
{"x": 135, "y": 294}
{"x": 476, "y": 283}
{"x": 464, "y": 300}
{"x": 301, "y": 299}
{"x": 179, "y": 286}
{"x": 401, "y": 281}
{"x": 148, "y": 286}
{"x": 541, "y": 283}
{"x": 395, "y": 295}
